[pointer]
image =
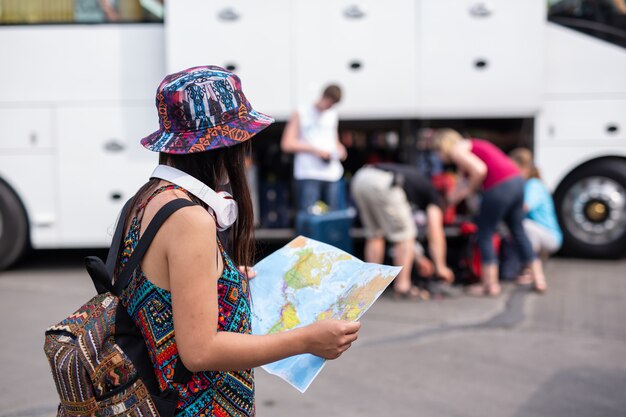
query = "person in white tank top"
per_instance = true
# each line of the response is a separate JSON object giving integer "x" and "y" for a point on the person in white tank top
{"x": 311, "y": 134}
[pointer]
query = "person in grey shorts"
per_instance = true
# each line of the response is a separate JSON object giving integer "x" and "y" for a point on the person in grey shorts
{"x": 384, "y": 194}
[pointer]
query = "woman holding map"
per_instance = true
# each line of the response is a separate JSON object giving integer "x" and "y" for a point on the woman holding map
{"x": 187, "y": 297}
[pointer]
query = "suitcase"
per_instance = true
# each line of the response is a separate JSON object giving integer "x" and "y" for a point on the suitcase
{"x": 332, "y": 227}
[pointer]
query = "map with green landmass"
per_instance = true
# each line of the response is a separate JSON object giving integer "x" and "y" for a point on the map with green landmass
{"x": 306, "y": 281}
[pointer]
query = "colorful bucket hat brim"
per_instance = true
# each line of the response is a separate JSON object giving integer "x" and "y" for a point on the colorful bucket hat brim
{"x": 230, "y": 133}
{"x": 203, "y": 108}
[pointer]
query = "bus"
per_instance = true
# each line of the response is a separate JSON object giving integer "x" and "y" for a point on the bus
{"x": 78, "y": 78}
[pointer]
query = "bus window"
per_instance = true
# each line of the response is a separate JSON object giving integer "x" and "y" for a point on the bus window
{"x": 25, "y": 12}
{"x": 604, "y": 19}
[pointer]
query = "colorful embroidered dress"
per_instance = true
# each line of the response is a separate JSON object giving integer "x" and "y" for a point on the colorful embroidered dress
{"x": 207, "y": 393}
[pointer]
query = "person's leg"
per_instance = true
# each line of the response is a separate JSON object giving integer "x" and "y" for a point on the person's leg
{"x": 492, "y": 209}
{"x": 396, "y": 218}
{"x": 489, "y": 276}
{"x": 532, "y": 234}
{"x": 365, "y": 189}
{"x": 403, "y": 254}
{"x": 375, "y": 249}
{"x": 332, "y": 194}
{"x": 309, "y": 192}
{"x": 514, "y": 220}
{"x": 437, "y": 242}
{"x": 526, "y": 275}
{"x": 384, "y": 209}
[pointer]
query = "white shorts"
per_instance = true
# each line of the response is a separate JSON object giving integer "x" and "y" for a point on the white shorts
{"x": 541, "y": 240}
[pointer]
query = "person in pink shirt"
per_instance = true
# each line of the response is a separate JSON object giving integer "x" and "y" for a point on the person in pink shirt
{"x": 489, "y": 170}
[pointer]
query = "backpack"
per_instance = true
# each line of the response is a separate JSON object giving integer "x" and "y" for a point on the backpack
{"x": 99, "y": 359}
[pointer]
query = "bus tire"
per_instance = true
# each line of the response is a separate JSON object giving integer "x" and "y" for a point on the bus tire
{"x": 591, "y": 206}
{"x": 13, "y": 227}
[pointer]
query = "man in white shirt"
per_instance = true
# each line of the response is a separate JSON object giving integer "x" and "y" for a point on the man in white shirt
{"x": 311, "y": 134}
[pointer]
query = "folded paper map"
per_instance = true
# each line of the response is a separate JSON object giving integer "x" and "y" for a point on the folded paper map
{"x": 306, "y": 281}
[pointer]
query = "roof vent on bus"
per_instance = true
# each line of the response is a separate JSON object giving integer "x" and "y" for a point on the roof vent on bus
{"x": 229, "y": 14}
{"x": 354, "y": 12}
{"x": 480, "y": 10}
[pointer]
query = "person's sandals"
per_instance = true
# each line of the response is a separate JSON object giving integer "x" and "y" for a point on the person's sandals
{"x": 484, "y": 290}
{"x": 540, "y": 286}
{"x": 442, "y": 289}
{"x": 413, "y": 293}
{"x": 525, "y": 277}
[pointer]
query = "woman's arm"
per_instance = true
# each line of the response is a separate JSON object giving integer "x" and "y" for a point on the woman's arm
{"x": 192, "y": 257}
{"x": 468, "y": 164}
{"x": 289, "y": 142}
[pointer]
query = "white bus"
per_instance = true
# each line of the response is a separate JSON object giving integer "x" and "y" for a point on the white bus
{"x": 78, "y": 77}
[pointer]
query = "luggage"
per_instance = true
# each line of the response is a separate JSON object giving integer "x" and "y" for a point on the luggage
{"x": 332, "y": 227}
{"x": 464, "y": 255}
{"x": 99, "y": 360}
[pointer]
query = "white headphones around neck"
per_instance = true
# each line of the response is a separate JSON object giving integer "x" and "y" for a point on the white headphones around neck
{"x": 222, "y": 204}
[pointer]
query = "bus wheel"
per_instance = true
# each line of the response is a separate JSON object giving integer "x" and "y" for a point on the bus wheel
{"x": 13, "y": 227}
{"x": 591, "y": 204}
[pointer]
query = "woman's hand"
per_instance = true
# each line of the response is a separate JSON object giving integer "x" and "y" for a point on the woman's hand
{"x": 328, "y": 339}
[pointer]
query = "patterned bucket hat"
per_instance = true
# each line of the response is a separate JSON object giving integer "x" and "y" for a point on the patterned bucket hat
{"x": 200, "y": 109}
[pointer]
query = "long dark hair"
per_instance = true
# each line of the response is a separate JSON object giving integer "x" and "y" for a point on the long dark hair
{"x": 211, "y": 167}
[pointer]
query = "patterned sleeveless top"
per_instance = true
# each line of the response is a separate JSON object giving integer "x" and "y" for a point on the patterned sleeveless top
{"x": 211, "y": 393}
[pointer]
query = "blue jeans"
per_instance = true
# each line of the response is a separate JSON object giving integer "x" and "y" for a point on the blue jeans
{"x": 310, "y": 191}
{"x": 504, "y": 202}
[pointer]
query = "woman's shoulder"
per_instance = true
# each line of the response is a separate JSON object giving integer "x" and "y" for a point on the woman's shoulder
{"x": 188, "y": 219}
{"x": 537, "y": 187}
{"x": 535, "y": 183}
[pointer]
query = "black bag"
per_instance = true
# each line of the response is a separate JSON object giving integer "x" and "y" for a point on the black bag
{"x": 99, "y": 359}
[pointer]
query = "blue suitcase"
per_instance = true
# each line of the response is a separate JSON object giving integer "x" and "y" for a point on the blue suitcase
{"x": 332, "y": 227}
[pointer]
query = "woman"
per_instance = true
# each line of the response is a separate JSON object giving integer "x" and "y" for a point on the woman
{"x": 489, "y": 169}
{"x": 188, "y": 299}
{"x": 541, "y": 224}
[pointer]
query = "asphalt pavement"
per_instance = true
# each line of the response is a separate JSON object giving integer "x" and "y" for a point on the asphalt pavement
{"x": 517, "y": 355}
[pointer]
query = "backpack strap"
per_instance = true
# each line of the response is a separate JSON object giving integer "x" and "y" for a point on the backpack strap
{"x": 99, "y": 272}
{"x": 116, "y": 243}
{"x": 144, "y": 243}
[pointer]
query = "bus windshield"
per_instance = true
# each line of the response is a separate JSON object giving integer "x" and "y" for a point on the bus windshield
{"x": 28, "y": 12}
{"x": 604, "y": 19}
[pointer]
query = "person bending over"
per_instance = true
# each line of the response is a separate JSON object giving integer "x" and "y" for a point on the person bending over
{"x": 489, "y": 170}
{"x": 384, "y": 194}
